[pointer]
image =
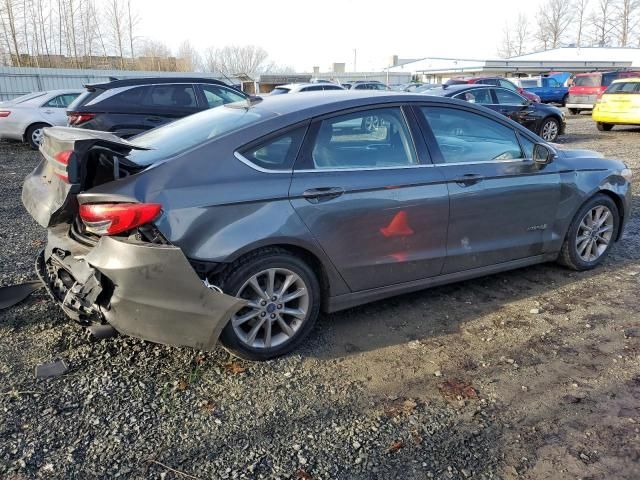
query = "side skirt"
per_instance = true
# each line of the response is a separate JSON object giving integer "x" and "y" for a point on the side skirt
{"x": 342, "y": 302}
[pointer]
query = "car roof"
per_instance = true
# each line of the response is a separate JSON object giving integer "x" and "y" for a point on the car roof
{"x": 292, "y": 86}
{"x": 449, "y": 90}
{"x": 152, "y": 80}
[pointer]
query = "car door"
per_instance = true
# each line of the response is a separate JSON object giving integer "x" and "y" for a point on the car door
{"x": 368, "y": 194}
{"x": 502, "y": 203}
{"x": 514, "y": 106}
{"x": 54, "y": 110}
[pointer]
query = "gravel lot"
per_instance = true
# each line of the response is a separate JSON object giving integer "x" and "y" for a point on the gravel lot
{"x": 529, "y": 374}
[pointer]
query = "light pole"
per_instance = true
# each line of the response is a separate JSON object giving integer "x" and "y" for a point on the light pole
{"x": 355, "y": 57}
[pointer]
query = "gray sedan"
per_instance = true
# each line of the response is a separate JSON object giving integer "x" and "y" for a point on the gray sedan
{"x": 24, "y": 118}
{"x": 244, "y": 222}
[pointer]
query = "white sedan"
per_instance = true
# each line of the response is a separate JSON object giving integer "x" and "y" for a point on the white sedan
{"x": 24, "y": 118}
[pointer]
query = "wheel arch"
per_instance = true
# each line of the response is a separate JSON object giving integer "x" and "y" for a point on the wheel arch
{"x": 619, "y": 204}
{"x": 26, "y": 129}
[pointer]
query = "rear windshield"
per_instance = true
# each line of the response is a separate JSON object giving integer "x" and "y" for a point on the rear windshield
{"x": 587, "y": 81}
{"x": 27, "y": 97}
{"x": 181, "y": 135}
{"x": 79, "y": 101}
{"x": 624, "y": 87}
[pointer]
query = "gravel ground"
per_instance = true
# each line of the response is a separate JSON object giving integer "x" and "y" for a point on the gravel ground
{"x": 529, "y": 374}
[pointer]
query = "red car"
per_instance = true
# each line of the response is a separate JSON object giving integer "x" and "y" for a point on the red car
{"x": 588, "y": 87}
{"x": 498, "y": 82}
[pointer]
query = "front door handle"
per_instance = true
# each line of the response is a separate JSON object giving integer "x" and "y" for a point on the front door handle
{"x": 468, "y": 179}
{"x": 322, "y": 194}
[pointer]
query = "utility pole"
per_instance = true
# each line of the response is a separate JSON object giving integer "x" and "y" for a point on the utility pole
{"x": 355, "y": 57}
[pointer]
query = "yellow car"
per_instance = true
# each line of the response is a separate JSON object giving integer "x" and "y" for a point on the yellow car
{"x": 619, "y": 105}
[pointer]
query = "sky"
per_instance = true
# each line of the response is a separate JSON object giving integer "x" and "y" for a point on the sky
{"x": 303, "y": 34}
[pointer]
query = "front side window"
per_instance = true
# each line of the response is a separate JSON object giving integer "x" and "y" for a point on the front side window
{"x": 367, "y": 139}
{"x": 553, "y": 83}
{"x": 217, "y": 96}
{"x": 507, "y": 97}
{"x": 277, "y": 153}
{"x": 480, "y": 95}
{"x": 468, "y": 137}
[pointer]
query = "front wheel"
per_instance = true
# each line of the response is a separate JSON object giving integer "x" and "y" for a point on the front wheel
{"x": 604, "y": 127}
{"x": 591, "y": 234}
{"x": 34, "y": 135}
{"x": 283, "y": 302}
{"x": 550, "y": 129}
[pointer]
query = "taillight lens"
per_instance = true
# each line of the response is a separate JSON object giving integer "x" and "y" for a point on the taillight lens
{"x": 112, "y": 218}
{"x": 79, "y": 118}
{"x": 61, "y": 160}
{"x": 5, "y": 113}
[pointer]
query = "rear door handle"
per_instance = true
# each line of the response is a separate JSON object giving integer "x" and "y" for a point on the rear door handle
{"x": 322, "y": 194}
{"x": 468, "y": 179}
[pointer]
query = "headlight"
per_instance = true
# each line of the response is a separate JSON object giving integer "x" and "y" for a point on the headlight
{"x": 627, "y": 174}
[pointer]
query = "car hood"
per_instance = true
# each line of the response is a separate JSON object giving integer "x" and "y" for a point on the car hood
{"x": 585, "y": 159}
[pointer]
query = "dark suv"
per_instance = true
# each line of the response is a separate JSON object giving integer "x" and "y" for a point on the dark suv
{"x": 129, "y": 107}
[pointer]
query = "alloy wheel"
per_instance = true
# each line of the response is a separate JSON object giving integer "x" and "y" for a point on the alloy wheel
{"x": 36, "y": 136}
{"x": 594, "y": 233}
{"x": 278, "y": 304}
{"x": 549, "y": 131}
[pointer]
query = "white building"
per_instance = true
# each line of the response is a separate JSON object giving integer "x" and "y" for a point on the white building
{"x": 567, "y": 59}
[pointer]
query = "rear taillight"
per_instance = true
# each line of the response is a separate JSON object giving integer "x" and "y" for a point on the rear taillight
{"x": 112, "y": 218}
{"x": 61, "y": 160}
{"x": 5, "y": 113}
{"x": 76, "y": 119}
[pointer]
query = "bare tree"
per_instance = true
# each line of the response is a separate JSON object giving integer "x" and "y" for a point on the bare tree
{"x": 117, "y": 28}
{"x": 603, "y": 22}
{"x": 506, "y": 47}
{"x": 626, "y": 21}
{"x": 10, "y": 29}
{"x": 553, "y": 20}
{"x": 581, "y": 7}
{"x": 521, "y": 35}
{"x": 132, "y": 22}
{"x": 188, "y": 58}
{"x": 233, "y": 59}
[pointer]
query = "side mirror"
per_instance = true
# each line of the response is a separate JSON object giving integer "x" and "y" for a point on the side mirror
{"x": 543, "y": 154}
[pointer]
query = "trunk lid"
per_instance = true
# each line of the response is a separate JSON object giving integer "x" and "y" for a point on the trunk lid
{"x": 70, "y": 157}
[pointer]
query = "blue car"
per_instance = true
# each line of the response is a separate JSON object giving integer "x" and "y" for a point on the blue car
{"x": 550, "y": 89}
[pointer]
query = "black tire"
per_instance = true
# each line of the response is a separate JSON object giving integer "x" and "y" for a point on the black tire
{"x": 553, "y": 122}
{"x": 564, "y": 100}
{"x": 568, "y": 254}
{"x": 604, "y": 127}
{"x": 574, "y": 111}
{"x": 234, "y": 277}
{"x": 29, "y": 134}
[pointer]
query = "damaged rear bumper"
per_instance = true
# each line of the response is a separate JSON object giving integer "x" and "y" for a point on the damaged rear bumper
{"x": 143, "y": 290}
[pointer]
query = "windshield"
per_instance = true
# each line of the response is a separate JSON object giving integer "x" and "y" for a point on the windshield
{"x": 624, "y": 87}
{"x": 181, "y": 135}
{"x": 279, "y": 91}
{"x": 587, "y": 81}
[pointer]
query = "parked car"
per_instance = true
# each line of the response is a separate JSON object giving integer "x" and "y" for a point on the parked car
{"x": 587, "y": 87}
{"x": 545, "y": 120}
{"x": 129, "y": 107}
{"x": 289, "y": 207}
{"x": 25, "y": 117}
{"x": 305, "y": 87}
{"x": 425, "y": 87}
{"x": 496, "y": 81}
{"x": 366, "y": 85}
{"x": 619, "y": 104}
{"x": 547, "y": 88}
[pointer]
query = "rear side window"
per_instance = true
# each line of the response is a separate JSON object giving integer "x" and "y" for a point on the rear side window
{"x": 528, "y": 83}
{"x": 171, "y": 96}
{"x": 331, "y": 87}
{"x": 277, "y": 153}
{"x": 178, "y": 96}
{"x": 468, "y": 137}
{"x": 481, "y": 96}
{"x": 61, "y": 101}
{"x": 315, "y": 88}
{"x": 366, "y": 139}
{"x": 488, "y": 81}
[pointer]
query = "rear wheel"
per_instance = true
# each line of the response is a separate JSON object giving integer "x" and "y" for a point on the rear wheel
{"x": 283, "y": 302}
{"x": 34, "y": 135}
{"x": 591, "y": 234}
{"x": 550, "y": 129}
{"x": 574, "y": 111}
{"x": 604, "y": 127}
